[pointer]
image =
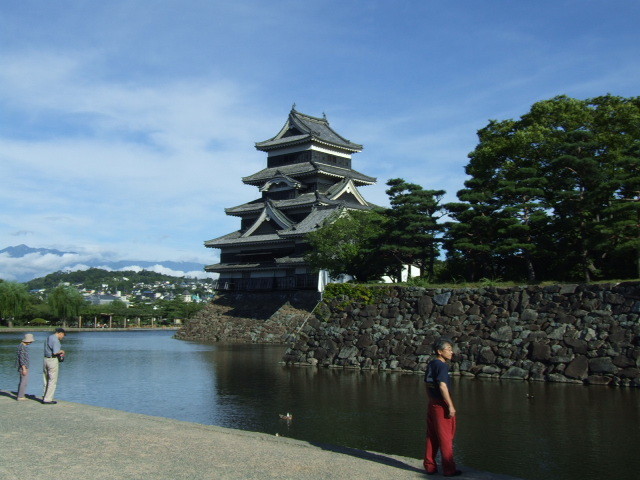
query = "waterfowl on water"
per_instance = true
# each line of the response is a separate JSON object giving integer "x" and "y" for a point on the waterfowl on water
{"x": 286, "y": 416}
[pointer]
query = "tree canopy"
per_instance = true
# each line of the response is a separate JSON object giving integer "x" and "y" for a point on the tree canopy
{"x": 348, "y": 244}
{"x": 14, "y": 299}
{"x": 411, "y": 234}
{"x": 65, "y": 302}
{"x": 554, "y": 194}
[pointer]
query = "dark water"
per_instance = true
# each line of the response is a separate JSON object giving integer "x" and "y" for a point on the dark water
{"x": 563, "y": 432}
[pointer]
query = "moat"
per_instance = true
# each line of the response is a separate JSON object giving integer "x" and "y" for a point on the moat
{"x": 530, "y": 430}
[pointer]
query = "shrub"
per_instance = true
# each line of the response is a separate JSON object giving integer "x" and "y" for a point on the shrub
{"x": 356, "y": 292}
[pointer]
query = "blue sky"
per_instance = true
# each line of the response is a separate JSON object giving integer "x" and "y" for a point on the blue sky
{"x": 126, "y": 126}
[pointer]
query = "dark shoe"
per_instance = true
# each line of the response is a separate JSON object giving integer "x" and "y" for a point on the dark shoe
{"x": 53, "y": 402}
{"x": 432, "y": 472}
{"x": 454, "y": 474}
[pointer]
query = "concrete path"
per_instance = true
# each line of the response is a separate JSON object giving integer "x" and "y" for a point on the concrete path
{"x": 71, "y": 441}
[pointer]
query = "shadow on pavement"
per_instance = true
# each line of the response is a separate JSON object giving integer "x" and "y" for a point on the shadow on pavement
{"x": 13, "y": 396}
{"x": 371, "y": 456}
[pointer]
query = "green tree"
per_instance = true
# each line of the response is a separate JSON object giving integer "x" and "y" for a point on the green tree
{"x": 472, "y": 235}
{"x": 412, "y": 230}
{"x": 502, "y": 214}
{"x": 622, "y": 217}
{"x": 555, "y": 191}
{"x": 65, "y": 302}
{"x": 14, "y": 299}
{"x": 348, "y": 244}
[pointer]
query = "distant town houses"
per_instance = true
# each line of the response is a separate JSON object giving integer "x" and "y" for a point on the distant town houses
{"x": 189, "y": 291}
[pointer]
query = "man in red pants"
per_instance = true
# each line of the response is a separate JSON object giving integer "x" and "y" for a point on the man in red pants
{"x": 441, "y": 413}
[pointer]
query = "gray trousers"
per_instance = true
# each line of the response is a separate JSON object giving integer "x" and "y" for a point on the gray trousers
{"x": 50, "y": 377}
{"x": 22, "y": 386}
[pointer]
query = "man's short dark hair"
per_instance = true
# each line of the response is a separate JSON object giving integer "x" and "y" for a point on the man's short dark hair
{"x": 60, "y": 330}
{"x": 441, "y": 344}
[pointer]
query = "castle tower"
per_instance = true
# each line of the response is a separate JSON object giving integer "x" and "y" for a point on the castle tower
{"x": 308, "y": 176}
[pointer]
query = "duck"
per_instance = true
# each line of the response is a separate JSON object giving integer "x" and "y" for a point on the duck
{"x": 286, "y": 416}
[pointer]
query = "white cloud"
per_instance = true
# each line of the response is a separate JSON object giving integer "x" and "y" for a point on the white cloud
{"x": 146, "y": 171}
{"x": 34, "y": 265}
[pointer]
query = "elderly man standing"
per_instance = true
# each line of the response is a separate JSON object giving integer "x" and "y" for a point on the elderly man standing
{"x": 23, "y": 365}
{"x": 53, "y": 355}
{"x": 441, "y": 413}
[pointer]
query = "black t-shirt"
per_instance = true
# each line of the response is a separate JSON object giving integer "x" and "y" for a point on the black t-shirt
{"x": 437, "y": 371}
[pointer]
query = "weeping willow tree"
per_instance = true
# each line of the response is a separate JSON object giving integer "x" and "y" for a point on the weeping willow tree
{"x": 65, "y": 303}
{"x": 13, "y": 300}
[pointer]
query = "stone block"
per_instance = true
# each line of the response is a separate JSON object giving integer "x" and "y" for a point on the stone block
{"x": 614, "y": 298}
{"x": 425, "y": 305}
{"x": 529, "y": 315}
{"x": 502, "y": 334}
{"x": 473, "y": 310}
{"x": 454, "y": 309}
{"x": 371, "y": 351}
{"x": 442, "y": 298}
{"x": 602, "y": 365}
{"x": 364, "y": 340}
{"x": 557, "y": 378}
{"x": 486, "y": 356}
{"x": 540, "y": 352}
{"x": 490, "y": 369}
{"x": 567, "y": 289}
{"x": 622, "y": 361}
{"x": 577, "y": 345}
{"x": 424, "y": 349}
{"x": 630, "y": 372}
{"x": 598, "y": 380}
{"x": 515, "y": 373}
{"x": 557, "y": 333}
{"x": 578, "y": 368}
{"x": 348, "y": 352}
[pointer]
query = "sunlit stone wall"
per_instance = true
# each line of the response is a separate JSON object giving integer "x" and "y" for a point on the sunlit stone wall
{"x": 560, "y": 333}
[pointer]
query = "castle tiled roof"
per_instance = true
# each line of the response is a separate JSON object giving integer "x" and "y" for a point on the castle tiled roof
{"x": 236, "y": 238}
{"x": 304, "y": 200}
{"x": 304, "y": 169}
{"x": 287, "y": 261}
{"x": 311, "y": 222}
{"x": 300, "y": 128}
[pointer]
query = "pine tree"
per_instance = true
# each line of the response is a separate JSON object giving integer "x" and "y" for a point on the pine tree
{"x": 412, "y": 228}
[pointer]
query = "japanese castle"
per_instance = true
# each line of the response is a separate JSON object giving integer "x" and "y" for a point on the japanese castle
{"x": 307, "y": 179}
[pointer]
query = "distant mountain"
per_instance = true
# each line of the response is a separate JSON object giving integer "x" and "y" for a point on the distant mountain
{"x": 94, "y": 278}
{"x": 23, "y": 250}
{"x": 23, "y": 263}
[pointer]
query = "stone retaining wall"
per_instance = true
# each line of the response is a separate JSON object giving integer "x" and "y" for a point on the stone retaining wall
{"x": 258, "y": 317}
{"x": 560, "y": 333}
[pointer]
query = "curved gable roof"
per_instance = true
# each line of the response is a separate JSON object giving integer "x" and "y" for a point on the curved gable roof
{"x": 298, "y": 170}
{"x": 301, "y": 128}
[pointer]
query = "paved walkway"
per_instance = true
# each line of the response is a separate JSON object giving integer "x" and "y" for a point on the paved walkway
{"x": 71, "y": 441}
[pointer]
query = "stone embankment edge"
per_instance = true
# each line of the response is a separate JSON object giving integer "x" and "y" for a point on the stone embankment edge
{"x": 561, "y": 333}
{"x": 83, "y": 329}
{"x": 81, "y": 441}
